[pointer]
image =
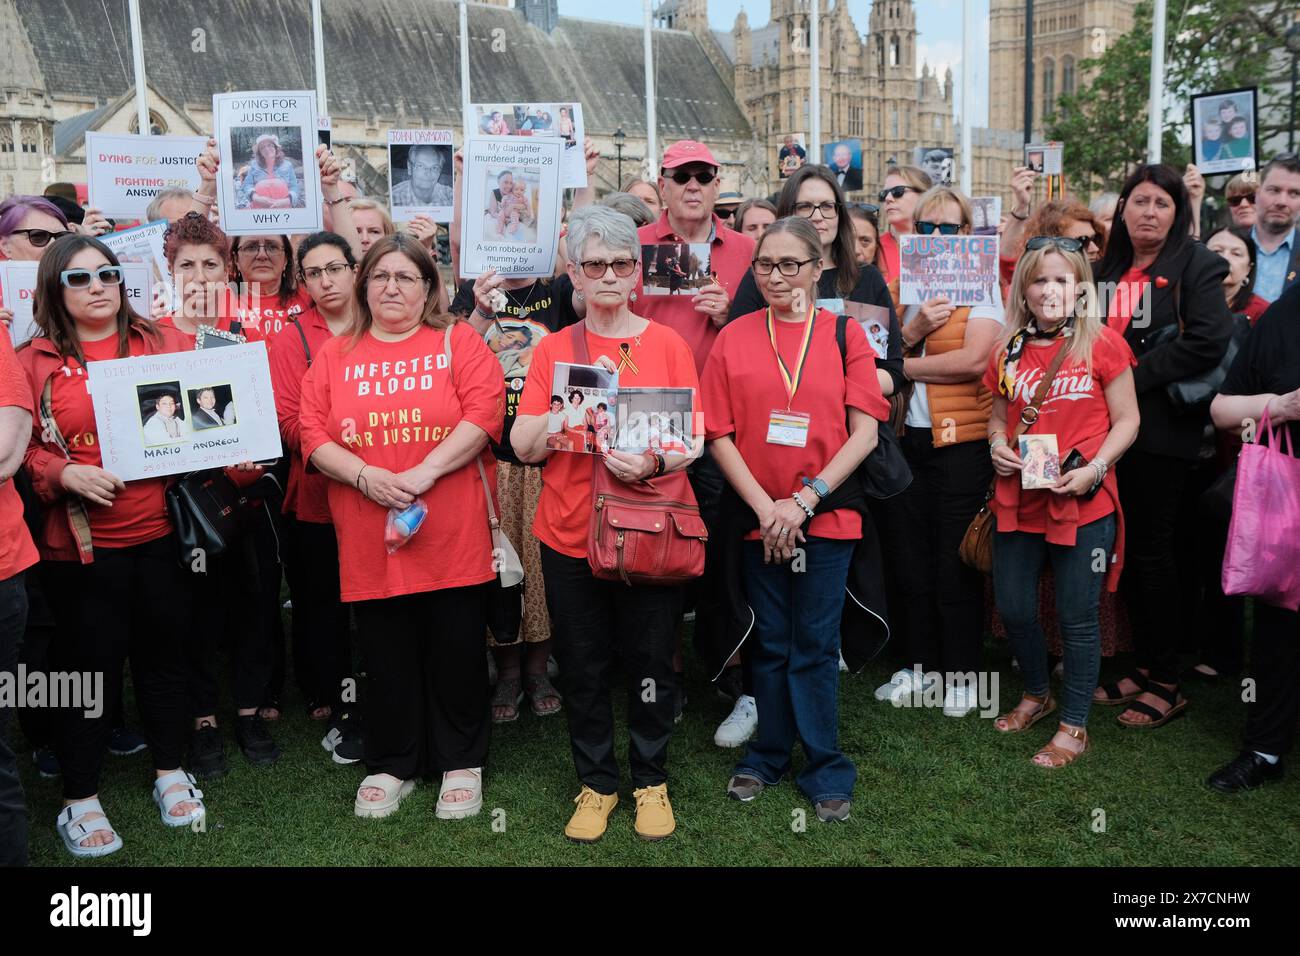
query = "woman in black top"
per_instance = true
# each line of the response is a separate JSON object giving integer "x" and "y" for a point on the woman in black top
{"x": 513, "y": 316}
{"x": 1154, "y": 275}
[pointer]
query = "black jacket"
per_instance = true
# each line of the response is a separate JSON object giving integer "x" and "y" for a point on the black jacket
{"x": 1186, "y": 284}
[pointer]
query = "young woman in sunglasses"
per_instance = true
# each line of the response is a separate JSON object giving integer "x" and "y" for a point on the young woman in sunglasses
{"x": 903, "y": 185}
{"x": 107, "y": 546}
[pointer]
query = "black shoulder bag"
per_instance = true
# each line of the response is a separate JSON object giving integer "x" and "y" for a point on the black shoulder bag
{"x": 885, "y": 471}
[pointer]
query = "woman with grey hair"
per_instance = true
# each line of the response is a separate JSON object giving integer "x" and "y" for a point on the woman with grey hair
{"x": 1103, "y": 207}
{"x": 595, "y": 619}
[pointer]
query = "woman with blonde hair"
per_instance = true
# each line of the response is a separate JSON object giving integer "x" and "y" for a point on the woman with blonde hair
{"x": 903, "y": 186}
{"x": 371, "y": 222}
{"x": 1059, "y": 356}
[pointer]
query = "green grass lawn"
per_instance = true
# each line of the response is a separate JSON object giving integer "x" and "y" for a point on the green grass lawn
{"x": 932, "y": 790}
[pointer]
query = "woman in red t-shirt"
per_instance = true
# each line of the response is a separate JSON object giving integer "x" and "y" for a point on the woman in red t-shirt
{"x": 198, "y": 255}
{"x": 592, "y": 618}
{"x": 267, "y": 292}
{"x": 110, "y": 554}
{"x": 776, "y": 390}
{"x": 1089, "y": 405}
{"x": 398, "y": 411}
{"x": 321, "y": 635}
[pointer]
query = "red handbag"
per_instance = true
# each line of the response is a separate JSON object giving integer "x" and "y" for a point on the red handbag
{"x": 645, "y": 532}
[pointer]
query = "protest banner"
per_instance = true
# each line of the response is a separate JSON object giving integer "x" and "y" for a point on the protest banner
{"x": 269, "y": 182}
{"x": 178, "y": 412}
{"x": 510, "y": 207}
{"x": 17, "y": 294}
{"x": 562, "y": 121}
{"x": 963, "y": 268}
{"x": 144, "y": 244}
{"x": 419, "y": 174}
{"x": 125, "y": 172}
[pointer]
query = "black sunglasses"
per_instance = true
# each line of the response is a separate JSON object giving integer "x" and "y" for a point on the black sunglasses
{"x": 1244, "y": 197}
{"x": 925, "y": 228}
{"x": 896, "y": 191}
{"x": 41, "y": 237}
{"x": 681, "y": 177}
{"x": 1060, "y": 242}
{"x": 867, "y": 207}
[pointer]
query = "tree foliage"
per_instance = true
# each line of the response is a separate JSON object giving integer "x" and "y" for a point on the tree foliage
{"x": 1216, "y": 45}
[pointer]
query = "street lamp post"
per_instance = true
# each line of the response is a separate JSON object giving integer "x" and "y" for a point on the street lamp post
{"x": 1293, "y": 44}
{"x": 620, "y": 138}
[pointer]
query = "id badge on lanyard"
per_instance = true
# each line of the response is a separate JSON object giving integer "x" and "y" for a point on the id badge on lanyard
{"x": 786, "y": 426}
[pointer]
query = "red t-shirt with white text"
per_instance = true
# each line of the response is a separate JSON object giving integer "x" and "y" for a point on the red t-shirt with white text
{"x": 265, "y": 313}
{"x": 391, "y": 404}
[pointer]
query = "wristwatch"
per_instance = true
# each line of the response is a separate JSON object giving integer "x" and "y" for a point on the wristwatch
{"x": 817, "y": 485}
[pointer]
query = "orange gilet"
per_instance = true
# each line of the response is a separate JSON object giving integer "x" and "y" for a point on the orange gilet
{"x": 958, "y": 412}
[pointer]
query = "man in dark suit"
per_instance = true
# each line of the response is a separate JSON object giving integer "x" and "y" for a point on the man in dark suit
{"x": 206, "y": 415}
{"x": 846, "y": 174}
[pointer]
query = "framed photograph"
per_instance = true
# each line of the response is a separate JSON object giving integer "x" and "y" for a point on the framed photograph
{"x": 212, "y": 338}
{"x": 1225, "y": 130}
{"x": 938, "y": 161}
{"x": 1042, "y": 461}
{"x": 986, "y": 213}
{"x": 656, "y": 419}
{"x": 791, "y": 155}
{"x": 845, "y": 161}
{"x": 583, "y": 415}
{"x": 562, "y": 121}
{"x": 419, "y": 174}
{"x": 675, "y": 268}
{"x": 1046, "y": 159}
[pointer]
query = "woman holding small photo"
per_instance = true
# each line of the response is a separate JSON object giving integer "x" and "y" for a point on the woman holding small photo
{"x": 107, "y": 546}
{"x": 1059, "y": 357}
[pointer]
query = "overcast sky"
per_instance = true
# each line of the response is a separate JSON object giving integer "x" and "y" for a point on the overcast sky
{"x": 938, "y": 24}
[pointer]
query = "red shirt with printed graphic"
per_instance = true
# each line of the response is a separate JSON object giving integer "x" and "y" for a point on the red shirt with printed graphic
{"x": 1075, "y": 411}
{"x": 391, "y": 404}
{"x": 17, "y": 551}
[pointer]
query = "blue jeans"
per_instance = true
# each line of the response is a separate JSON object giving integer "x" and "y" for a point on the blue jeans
{"x": 1018, "y": 559}
{"x": 796, "y": 667}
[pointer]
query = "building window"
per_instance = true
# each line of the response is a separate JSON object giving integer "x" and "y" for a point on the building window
{"x": 29, "y": 138}
{"x": 855, "y": 121}
{"x": 1049, "y": 86}
{"x": 893, "y": 51}
{"x": 6, "y": 139}
{"x": 893, "y": 121}
{"x": 1067, "y": 76}
{"x": 157, "y": 125}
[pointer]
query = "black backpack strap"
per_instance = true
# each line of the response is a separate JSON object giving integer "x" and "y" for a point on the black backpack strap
{"x": 302, "y": 335}
{"x": 841, "y": 338}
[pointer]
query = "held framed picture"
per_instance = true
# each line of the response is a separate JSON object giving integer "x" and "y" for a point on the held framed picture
{"x": 1225, "y": 130}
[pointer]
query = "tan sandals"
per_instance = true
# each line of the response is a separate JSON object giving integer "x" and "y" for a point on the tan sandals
{"x": 1059, "y": 757}
{"x": 1017, "y": 720}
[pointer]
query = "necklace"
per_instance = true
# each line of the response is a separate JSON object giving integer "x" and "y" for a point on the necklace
{"x": 524, "y": 311}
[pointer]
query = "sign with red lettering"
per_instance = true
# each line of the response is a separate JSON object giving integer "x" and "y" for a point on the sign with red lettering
{"x": 17, "y": 289}
{"x": 125, "y": 173}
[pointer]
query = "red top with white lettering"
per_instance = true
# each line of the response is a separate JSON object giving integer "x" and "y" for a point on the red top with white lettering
{"x": 391, "y": 404}
{"x": 266, "y": 313}
{"x": 17, "y": 551}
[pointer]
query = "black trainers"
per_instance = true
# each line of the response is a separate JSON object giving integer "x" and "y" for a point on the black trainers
{"x": 1247, "y": 771}
{"x": 123, "y": 742}
{"x": 344, "y": 741}
{"x": 255, "y": 740}
{"x": 47, "y": 764}
{"x": 207, "y": 757}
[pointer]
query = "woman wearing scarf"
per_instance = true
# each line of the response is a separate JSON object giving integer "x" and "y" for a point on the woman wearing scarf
{"x": 1089, "y": 405}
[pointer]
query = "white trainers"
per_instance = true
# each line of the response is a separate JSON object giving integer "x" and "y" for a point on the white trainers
{"x": 904, "y": 683}
{"x": 739, "y": 725}
{"x": 960, "y": 699}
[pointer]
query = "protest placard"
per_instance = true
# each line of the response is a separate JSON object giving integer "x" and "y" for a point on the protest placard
{"x": 986, "y": 214}
{"x": 1224, "y": 128}
{"x": 419, "y": 174}
{"x": 1045, "y": 158}
{"x": 510, "y": 207}
{"x": 17, "y": 294}
{"x": 675, "y": 268}
{"x": 269, "y": 182}
{"x": 562, "y": 121}
{"x": 582, "y": 415}
{"x": 938, "y": 163}
{"x": 844, "y": 159}
{"x": 324, "y": 131}
{"x": 964, "y": 268}
{"x": 144, "y": 244}
{"x": 125, "y": 172}
{"x": 137, "y": 286}
{"x": 657, "y": 420}
{"x": 184, "y": 411}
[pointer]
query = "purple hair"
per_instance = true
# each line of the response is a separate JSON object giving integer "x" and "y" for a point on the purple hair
{"x": 16, "y": 208}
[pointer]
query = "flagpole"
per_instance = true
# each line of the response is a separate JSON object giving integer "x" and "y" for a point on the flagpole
{"x": 967, "y": 81}
{"x": 651, "y": 146}
{"x": 137, "y": 58}
{"x": 815, "y": 78}
{"x": 464, "y": 58}
{"x": 1156, "y": 118}
{"x": 318, "y": 42}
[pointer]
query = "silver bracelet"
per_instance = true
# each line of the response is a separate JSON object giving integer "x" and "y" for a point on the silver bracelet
{"x": 802, "y": 504}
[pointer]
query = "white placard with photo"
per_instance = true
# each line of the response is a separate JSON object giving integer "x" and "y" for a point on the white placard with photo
{"x": 269, "y": 182}
{"x": 562, "y": 121}
{"x": 1225, "y": 127}
{"x": 1047, "y": 159}
{"x": 17, "y": 294}
{"x": 510, "y": 207}
{"x": 178, "y": 412}
{"x": 125, "y": 172}
{"x": 419, "y": 174}
{"x": 143, "y": 244}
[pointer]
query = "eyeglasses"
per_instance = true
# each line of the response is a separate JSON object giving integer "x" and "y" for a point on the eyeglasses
{"x": 272, "y": 250}
{"x": 897, "y": 192}
{"x": 333, "y": 270}
{"x": 787, "y": 267}
{"x": 1235, "y": 201}
{"x": 681, "y": 177}
{"x": 1061, "y": 242}
{"x": 41, "y": 237}
{"x": 423, "y": 167}
{"x": 81, "y": 278}
{"x": 806, "y": 209}
{"x": 596, "y": 268}
{"x": 925, "y": 228}
{"x": 405, "y": 280}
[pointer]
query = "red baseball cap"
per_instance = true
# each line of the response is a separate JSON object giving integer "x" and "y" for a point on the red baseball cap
{"x": 687, "y": 151}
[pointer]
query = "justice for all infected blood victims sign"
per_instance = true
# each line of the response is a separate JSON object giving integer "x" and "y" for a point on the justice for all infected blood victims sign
{"x": 126, "y": 172}
{"x": 963, "y": 268}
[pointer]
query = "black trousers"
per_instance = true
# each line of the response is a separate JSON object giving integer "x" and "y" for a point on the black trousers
{"x": 427, "y": 696}
{"x": 13, "y": 809}
{"x": 941, "y": 600}
{"x": 37, "y": 723}
{"x": 322, "y": 643}
{"x": 702, "y": 595}
{"x": 1275, "y": 661}
{"x": 130, "y": 602}
{"x": 1150, "y": 491}
{"x": 1218, "y": 619}
{"x": 593, "y": 620}
{"x": 236, "y": 604}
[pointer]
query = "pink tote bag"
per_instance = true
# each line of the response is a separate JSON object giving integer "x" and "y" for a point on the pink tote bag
{"x": 1262, "y": 558}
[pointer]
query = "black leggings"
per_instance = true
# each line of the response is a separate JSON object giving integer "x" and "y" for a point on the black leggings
{"x": 130, "y": 602}
{"x": 426, "y": 693}
{"x": 322, "y": 643}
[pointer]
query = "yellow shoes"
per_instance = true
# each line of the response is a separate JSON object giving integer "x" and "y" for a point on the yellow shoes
{"x": 592, "y": 816}
{"x": 654, "y": 814}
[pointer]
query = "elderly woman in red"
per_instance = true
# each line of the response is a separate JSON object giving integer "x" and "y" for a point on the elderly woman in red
{"x": 1059, "y": 357}
{"x": 398, "y": 411}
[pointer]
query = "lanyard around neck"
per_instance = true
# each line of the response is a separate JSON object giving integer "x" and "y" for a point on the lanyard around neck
{"x": 792, "y": 380}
